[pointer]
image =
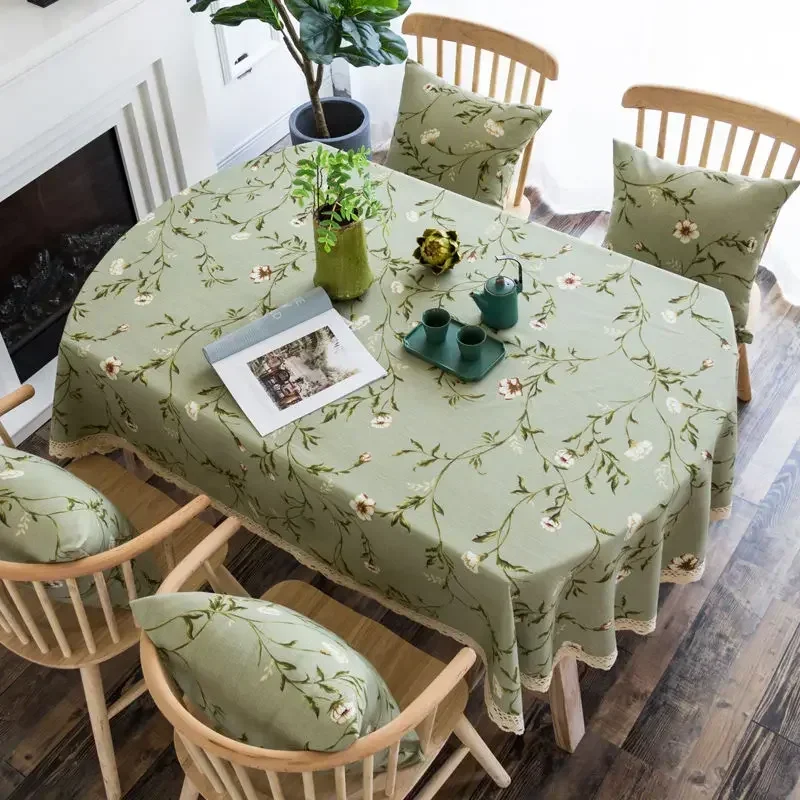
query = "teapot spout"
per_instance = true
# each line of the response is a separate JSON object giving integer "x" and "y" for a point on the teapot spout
{"x": 480, "y": 301}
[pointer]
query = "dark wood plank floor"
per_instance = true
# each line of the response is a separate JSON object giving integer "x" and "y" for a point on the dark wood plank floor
{"x": 708, "y": 706}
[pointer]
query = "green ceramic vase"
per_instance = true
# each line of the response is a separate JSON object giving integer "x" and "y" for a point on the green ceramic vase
{"x": 344, "y": 273}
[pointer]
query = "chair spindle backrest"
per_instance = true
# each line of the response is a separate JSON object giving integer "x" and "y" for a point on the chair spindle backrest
{"x": 532, "y": 59}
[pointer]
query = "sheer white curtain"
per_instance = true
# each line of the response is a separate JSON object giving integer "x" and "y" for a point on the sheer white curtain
{"x": 745, "y": 49}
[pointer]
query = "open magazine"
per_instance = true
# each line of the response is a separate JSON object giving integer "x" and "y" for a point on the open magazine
{"x": 292, "y": 361}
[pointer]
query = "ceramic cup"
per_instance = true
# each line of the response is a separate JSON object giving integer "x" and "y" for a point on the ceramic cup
{"x": 471, "y": 339}
{"x": 435, "y": 322}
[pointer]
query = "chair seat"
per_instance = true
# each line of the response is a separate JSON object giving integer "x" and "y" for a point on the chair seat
{"x": 406, "y": 670}
{"x": 144, "y": 506}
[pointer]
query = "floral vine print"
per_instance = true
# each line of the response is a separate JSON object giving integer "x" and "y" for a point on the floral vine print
{"x": 298, "y": 686}
{"x": 705, "y": 225}
{"x": 530, "y": 514}
{"x": 467, "y": 143}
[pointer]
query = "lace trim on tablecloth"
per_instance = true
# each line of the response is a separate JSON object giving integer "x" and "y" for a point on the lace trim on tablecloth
{"x": 723, "y": 512}
{"x": 511, "y": 723}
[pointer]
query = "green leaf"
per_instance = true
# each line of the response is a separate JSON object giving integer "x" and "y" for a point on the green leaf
{"x": 262, "y": 10}
{"x": 320, "y": 35}
{"x": 377, "y": 11}
{"x": 299, "y": 7}
{"x": 361, "y": 34}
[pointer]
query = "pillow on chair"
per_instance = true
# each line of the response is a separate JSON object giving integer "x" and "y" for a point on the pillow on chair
{"x": 462, "y": 141}
{"x": 48, "y": 515}
{"x": 266, "y": 675}
{"x": 706, "y": 225}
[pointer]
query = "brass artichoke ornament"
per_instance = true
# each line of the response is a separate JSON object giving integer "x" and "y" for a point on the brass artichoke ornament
{"x": 438, "y": 250}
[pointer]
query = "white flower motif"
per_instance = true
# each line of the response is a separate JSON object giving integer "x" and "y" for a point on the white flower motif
{"x": 515, "y": 444}
{"x": 192, "y": 220}
{"x": 612, "y": 332}
{"x": 122, "y": 328}
{"x": 708, "y": 363}
{"x": 725, "y": 344}
{"x": 297, "y": 222}
{"x": 259, "y": 274}
{"x": 509, "y": 388}
{"x": 494, "y": 128}
{"x": 342, "y": 712}
{"x": 111, "y": 367}
{"x": 471, "y": 560}
{"x": 240, "y": 236}
{"x": 569, "y": 281}
{"x": 638, "y": 450}
{"x": 117, "y": 266}
{"x": 327, "y": 486}
{"x": 655, "y": 195}
{"x": 638, "y": 246}
{"x": 472, "y": 257}
{"x": 688, "y": 562}
{"x": 705, "y": 455}
{"x": 381, "y": 421}
{"x": 143, "y": 299}
{"x": 398, "y": 287}
{"x": 497, "y": 689}
{"x": 751, "y": 245}
{"x": 192, "y": 408}
{"x": 685, "y": 230}
{"x": 564, "y": 458}
{"x": 429, "y": 136}
{"x": 623, "y": 573}
{"x": 365, "y": 458}
{"x": 185, "y": 192}
{"x": 565, "y": 248}
{"x": 358, "y": 323}
{"x": 372, "y": 567}
{"x": 439, "y": 581}
{"x": 550, "y": 524}
{"x": 662, "y": 473}
{"x": 364, "y": 506}
{"x": 538, "y": 324}
{"x": 268, "y": 671}
{"x": 669, "y": 316}
{"x": 22, "y": 525}
{"x": 634, "y": 523}
{"x": 164, "y": 352}
{"x": 148, "y": 218}
{"x": 8, "y": 474}
{"x": 674, "y": 406}
{"x": 268, "y": 610}
{"x": 334, "y": 651}
{"x": 412, "y": 216}
{"x": 429, "y": 88}
{"x": 152, "y": 235}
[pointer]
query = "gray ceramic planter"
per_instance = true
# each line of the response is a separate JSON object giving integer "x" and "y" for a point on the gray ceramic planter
{"x": 348, "y": 123}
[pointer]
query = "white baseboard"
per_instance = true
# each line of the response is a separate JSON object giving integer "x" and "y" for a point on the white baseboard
{"x": 265, "y": 138}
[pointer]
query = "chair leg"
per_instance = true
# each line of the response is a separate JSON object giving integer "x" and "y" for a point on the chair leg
{"x": 743, "y": 388}
{"x": 189, "y": 791}
{"x": 566, "y": 706}
{"x": 470, "y": 738}
{"x": 98, "y": 715}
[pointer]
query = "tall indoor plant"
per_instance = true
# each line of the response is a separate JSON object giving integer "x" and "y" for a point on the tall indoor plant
{"x": 356, "y": 30}
{"x": 337, "y": 186}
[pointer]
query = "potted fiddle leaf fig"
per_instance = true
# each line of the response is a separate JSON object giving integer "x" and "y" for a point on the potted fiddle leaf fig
{"x": 337, "y": 187}
{"x": 356, "y": 30}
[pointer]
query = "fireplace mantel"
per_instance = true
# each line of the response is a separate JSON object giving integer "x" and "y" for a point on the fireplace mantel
{"x": 78, "y": 68}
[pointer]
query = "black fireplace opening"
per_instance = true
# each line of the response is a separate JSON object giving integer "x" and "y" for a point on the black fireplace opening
{"x": 53, "y": 232}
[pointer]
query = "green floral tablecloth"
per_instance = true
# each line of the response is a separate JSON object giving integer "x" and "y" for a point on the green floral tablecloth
{"x": 530, "y": 515}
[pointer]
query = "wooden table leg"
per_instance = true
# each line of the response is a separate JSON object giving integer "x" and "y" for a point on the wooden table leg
{"x": 566, "y": 707}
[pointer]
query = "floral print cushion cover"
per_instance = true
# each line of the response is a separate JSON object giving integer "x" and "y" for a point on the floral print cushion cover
{"x": 706, "y": 225}
{"x": 462, "y": 141}
{"x": 48, "y": 515}
{"x": 267, "y": 675}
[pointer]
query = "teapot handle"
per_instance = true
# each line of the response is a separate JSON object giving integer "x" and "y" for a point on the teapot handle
{"x": 518, "y": 263}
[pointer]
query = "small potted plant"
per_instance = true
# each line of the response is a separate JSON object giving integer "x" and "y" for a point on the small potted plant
{"x": 339, "y": 205}
{"x": 356, "y": 30}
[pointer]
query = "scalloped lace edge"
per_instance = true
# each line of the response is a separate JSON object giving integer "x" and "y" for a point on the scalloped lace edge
{"x": 510, "y": 723}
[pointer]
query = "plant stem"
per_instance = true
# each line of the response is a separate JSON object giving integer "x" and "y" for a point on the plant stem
{"x": 295, "y": 47}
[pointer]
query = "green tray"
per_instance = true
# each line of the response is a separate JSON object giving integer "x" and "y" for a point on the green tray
{"x": 447, "y": 356}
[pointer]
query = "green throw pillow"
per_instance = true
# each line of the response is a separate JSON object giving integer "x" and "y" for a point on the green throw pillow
{"x": 49, "y": 515}
{"x": 266, "y": 675}
{"x": 462, "y": 141}
{"x": 706, "y": 225}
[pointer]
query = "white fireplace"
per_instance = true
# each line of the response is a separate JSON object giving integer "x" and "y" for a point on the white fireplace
{"x": 76, "y": 70}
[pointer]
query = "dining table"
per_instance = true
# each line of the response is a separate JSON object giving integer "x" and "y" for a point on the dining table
{"x": 531, "y": 514}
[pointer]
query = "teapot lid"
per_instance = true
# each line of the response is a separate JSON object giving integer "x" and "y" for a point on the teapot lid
{"x": 500, "y": 285}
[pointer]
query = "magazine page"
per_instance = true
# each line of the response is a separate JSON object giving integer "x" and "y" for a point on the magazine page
{"x": 298, "y": 370}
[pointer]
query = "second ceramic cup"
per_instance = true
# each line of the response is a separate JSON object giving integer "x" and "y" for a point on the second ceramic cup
{"x": 436, "y": 321}
{"x": 471, "y": 339}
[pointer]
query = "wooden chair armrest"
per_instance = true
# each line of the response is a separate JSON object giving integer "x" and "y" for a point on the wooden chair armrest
{"x": 111, "y": 558}
{"x": 194, "y": 559}
{"x": 16, "y": 398}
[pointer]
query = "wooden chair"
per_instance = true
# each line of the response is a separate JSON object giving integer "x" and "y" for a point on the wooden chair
{"x": 531, "y": 57}
{"x": 432, "y": 695}
{"x": 77, "y": 636}
{"x": 760, "y": 122}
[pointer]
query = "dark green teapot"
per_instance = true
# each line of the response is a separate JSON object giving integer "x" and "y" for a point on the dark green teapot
{"x": 498, "y": 301}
